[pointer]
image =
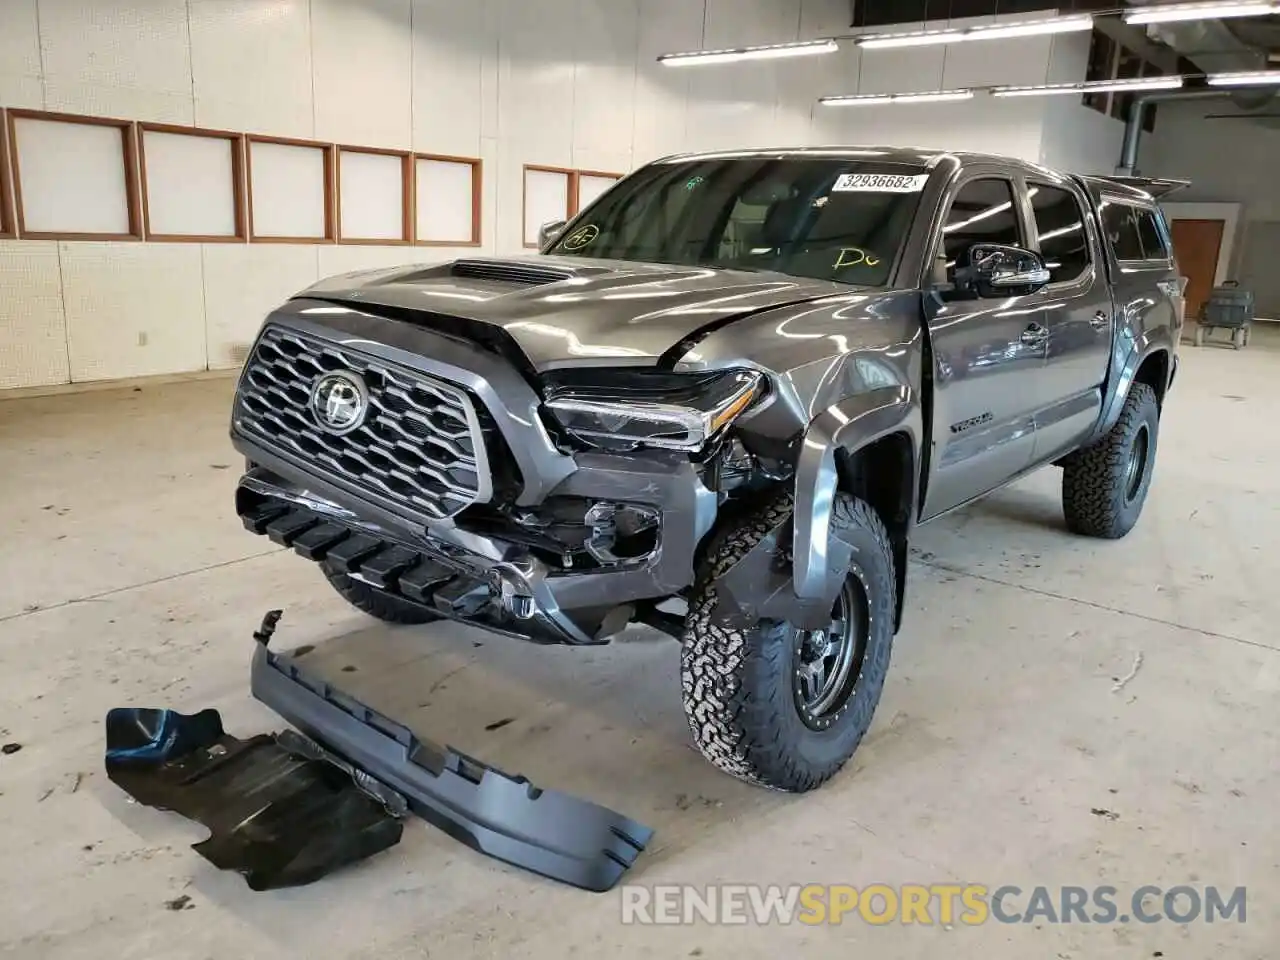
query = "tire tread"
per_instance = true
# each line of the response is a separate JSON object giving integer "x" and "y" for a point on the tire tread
{"x": 733, "y": 725}
{"x": 1092, "y": 479}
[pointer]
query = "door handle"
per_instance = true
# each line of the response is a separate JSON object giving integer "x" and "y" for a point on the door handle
{"x": 1098, "y": 320}
{"x": 1035, "y": 334}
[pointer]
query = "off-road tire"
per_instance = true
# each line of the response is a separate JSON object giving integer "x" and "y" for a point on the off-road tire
{"x": 738, "y": 682}
{"x": 1095, "y": 481}
{"x": 375, "y": 602}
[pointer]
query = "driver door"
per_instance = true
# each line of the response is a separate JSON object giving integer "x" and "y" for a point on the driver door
{"x": 987, "y": 352}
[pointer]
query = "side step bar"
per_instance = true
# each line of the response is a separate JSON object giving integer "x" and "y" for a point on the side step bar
{"x": 551, "y": 833}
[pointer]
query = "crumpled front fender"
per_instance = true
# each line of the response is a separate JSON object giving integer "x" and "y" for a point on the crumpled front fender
{"x": 848, "y": 425}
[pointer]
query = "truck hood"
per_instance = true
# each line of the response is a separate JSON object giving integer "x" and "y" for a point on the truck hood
{"x": 568, "y": 311}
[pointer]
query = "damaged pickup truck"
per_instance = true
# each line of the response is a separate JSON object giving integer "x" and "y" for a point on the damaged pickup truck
{"x": 717, "y": 402}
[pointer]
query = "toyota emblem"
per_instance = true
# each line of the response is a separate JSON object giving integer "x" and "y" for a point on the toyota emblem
{"x": 339, "y": 402}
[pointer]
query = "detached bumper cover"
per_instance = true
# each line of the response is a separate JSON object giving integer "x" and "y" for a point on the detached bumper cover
{"x": 545, "y": 831}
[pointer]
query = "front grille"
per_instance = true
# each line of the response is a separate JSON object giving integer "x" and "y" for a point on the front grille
{"x": 420, "y": 445}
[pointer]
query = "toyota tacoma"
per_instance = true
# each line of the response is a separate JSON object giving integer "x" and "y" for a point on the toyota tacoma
{"x": 717, "y": 402}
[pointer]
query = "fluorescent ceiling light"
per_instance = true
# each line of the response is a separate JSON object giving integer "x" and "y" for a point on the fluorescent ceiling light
{"x": 802, "y": 48}
{"x": 1175, "y": 12}
{"x": 994, "y": 31}
{"x": 1099, "y": 86}
{"x": 1032, "y": 28}
{"x": 922, "y": 38}
{"x": 1260, "y": 78}
{"x": 870, "y": 99}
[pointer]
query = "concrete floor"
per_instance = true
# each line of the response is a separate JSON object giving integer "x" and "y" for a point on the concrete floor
{"x": 127, "y": 580}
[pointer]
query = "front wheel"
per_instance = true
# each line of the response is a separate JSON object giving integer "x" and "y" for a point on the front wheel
{"x": 1104, "y": 486}
{"x": 778, "y": 706}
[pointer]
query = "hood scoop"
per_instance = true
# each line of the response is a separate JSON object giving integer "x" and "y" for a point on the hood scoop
{"x": 508, "y": 271}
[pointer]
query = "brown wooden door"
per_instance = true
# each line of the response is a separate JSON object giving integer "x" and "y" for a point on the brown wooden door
{"x": 1195, "y": 248}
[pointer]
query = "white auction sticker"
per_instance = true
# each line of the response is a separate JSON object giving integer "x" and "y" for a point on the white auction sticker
{"x": 880, "y": 182}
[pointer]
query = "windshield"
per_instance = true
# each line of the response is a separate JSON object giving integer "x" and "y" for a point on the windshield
{"x": 827, "y": 218}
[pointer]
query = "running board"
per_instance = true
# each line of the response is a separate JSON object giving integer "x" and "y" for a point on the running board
{"x": 550, "y": 833}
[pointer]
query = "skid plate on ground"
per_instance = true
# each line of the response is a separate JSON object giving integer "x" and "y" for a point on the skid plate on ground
{"x": 278, "y": 811}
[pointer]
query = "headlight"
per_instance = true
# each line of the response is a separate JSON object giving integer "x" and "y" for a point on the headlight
{"x": 625, "y": 408}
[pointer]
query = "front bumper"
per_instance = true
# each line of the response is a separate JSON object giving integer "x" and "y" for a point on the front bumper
{"x": 443, "y": 561}
{"x": 551, "y": 833}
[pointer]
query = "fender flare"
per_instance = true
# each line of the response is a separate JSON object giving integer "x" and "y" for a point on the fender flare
{"x": 848, "y": 425}
{"x": 1143, "y": 347}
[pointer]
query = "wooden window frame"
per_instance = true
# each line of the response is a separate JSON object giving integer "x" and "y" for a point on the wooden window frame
{"x": 408, "y": 177}
{"x": 129, "y": 145}
{"x": 8, "y": 223}
{"x": 571, "y": 195}
{"x": 238, "y": 185}
{"x": 477, "y": 194}
{"x": 576, "y": 203}
{"x": 330, "y": 214}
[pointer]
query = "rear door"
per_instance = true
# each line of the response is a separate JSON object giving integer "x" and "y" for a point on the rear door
{"x": 987, "y": 353}
{"x": 1077, "y": 310}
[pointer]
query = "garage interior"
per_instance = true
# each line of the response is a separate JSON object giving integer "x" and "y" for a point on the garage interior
{"x": 1060, "y": 711}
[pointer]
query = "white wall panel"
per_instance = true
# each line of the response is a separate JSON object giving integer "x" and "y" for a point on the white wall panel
{"x": 189, "y": 184}
{"x": 33, "y": 330}
{"x": 63, "y": 95}
{"x": 20, "y": 37}
{"x": 735, "y": 104}
{"x": 242, "y": 284}
{"x": 591, "y": 187}
{"x": 346, "y": 259}
{"x": 371, "y": 196}
{"x": 490, "y": 215}
{"x": 363, "y": 81}
{"x": 1079, "y": 140}
{"x": 133, "y": 309}
{"x": 604, "y": 81}
{"x": 455, "y": 71}
{"x": 535, "y": 79}
{"x": 72, "y": 176}
{"x": 251, "y": 66}
{"x": 123, "y": 43}
{"x": 666, "y": 26}
{"x": 546, "y": 199}
{"x": 287, "y": 187}
{"x": 444, "y": 195}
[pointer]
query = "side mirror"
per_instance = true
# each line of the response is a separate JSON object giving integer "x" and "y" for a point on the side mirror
{"x": 997, "y": 270}
{"x": 549, "y": 231}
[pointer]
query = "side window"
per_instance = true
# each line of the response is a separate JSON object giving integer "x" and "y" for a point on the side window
{"x": 1060, "y": 231}
{"x": 1121, "y": 228}
{"x": 1154, "y": 246}
{"x": 982, "y": 212}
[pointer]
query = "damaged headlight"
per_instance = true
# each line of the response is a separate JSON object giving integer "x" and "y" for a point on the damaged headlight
{"x": 628, "y": 409}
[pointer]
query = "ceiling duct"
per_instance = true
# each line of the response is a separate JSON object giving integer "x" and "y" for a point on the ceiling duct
{"x": 1222, "y": 46}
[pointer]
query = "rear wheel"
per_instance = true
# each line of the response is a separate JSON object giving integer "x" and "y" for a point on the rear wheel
{"x": 375, "y": 602}
{"x": 1105, "y": 485}
{"x": 783, "y": 707}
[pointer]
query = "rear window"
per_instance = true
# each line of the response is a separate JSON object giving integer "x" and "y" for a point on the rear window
{"x": 1133, "y": 232}
{"x": 1154, "y": 246}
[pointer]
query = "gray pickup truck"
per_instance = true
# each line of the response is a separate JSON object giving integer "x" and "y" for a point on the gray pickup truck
{"x": 717, "y": 402}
